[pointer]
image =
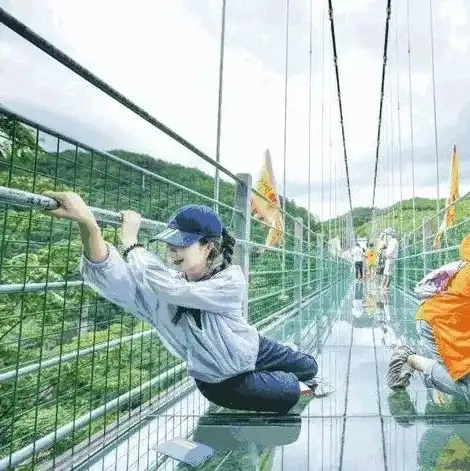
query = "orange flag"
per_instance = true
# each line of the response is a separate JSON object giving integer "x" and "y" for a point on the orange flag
{"x": 268, "y": 209}
{"x": 449, "y": 215}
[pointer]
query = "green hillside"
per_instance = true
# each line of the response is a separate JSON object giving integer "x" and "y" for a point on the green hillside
{"x": 400, "y": 216}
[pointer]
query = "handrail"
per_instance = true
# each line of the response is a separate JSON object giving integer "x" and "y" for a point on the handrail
{"x": 34, "y": 287}
{"x": 32, "y": 200}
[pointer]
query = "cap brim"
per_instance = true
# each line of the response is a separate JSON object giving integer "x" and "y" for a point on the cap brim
{"x": 177, "y": 238}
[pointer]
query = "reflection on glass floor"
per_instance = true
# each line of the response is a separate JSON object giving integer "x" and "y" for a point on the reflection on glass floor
{"x": 363, "y": 425}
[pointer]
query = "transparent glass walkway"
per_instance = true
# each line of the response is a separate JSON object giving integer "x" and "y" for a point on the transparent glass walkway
{"x": 363, "y": 425}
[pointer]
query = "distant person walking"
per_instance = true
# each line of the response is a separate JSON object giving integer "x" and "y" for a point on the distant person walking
{"x": 358, "y": 257}
{"x": 391, "y": 255}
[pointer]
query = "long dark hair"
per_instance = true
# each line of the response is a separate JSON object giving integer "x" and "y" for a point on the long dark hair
{"x": 220, "y": 258}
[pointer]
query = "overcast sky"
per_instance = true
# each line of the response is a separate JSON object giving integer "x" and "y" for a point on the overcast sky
{"x": 164, "y": 55}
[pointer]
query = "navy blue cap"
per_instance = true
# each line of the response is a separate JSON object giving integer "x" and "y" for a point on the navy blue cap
{"x": 190, "y": 224}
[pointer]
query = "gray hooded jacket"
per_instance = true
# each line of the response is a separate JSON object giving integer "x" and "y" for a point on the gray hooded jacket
{"x": 145, "y": 287}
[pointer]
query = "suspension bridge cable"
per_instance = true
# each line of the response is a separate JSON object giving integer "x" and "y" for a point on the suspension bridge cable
{"x": 286, "y": 78}
{"x": 436, "y": 147}
{"x": 392, "y": 136}
{"x": 379, "y": 126}
{"x": 330, "y": 154}
{"x": 219, "y": 102}
{"x": 337, "y": 219}
{"x": 387, "y": 161}
{"x": 335, "y": 59}
{"x": 411, "y": 112}
{"x": 323, "y": 128}
{"x": 309, "y": 140}
{"x": 399, "y": 127}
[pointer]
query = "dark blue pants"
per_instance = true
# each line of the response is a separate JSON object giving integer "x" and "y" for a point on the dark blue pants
{"x": 272, "y": 387}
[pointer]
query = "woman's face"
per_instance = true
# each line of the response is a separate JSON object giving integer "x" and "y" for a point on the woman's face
{"x": 192, "y": 260}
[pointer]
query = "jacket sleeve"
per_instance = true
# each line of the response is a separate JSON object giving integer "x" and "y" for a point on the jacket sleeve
{"x": 111, "y": 279}
{"x": 222, "y": 293}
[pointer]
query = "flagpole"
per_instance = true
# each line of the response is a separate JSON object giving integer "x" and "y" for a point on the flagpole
{"x": 452, "y": 199}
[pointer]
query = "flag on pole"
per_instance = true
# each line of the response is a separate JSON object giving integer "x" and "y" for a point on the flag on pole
{"x": 268, "y": 209}
{"x": 449, "y": 215}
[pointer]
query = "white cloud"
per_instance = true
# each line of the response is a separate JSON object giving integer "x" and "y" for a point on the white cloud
{"x": 163, "y": 56}
{"x": 455, "y": 14}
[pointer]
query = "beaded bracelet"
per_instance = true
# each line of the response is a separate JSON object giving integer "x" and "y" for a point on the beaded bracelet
{"x": 131, "y": 247}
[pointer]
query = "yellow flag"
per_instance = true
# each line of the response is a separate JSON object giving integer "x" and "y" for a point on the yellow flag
{"x": 449, "y": 215}
{"x": 268, "y": 209}
{"x": 275, "y": 233}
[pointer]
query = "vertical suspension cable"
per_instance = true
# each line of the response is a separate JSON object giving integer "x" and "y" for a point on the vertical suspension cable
{"x": 389, "y": 157}
{"x": 323, "y": 131}
{"x": 379, "y": 126}
{"x": 219, "y": 107}
{"x": 385, "y": 154}
{"x": 309, "y": 144}
{"x": 394, "y": 196}
{"x": 340, "y": 105}
{"x": 390, "y": 163}
{"x": 400, "y": 166}
{"x": 333, "y": 185}
{"x": 285, "y": 146}
{"x": 335, "y": 202}
{"x": 436, "y": 146}
{"x": 411, "y": 112}
{"x": 329, "y": 156}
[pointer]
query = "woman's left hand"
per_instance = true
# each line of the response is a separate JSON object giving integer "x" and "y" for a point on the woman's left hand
{"x": 130, "y": 227}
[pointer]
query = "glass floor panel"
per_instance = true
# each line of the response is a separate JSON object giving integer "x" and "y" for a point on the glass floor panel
{"x": 362, "y": 425}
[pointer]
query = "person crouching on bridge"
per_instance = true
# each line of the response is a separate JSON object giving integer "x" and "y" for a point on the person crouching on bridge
{"x": 196, "y": 307}
{"x": 443, "y": 325}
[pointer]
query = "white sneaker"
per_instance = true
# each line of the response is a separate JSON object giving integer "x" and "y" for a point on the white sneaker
{"x": 320, "y": 386}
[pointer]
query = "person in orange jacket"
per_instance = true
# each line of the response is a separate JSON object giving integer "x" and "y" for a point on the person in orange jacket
{"x": 443, "y": 323}
{"x": 371, "y": 261}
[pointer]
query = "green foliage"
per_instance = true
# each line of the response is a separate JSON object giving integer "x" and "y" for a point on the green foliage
{"x": 405, "y": 216}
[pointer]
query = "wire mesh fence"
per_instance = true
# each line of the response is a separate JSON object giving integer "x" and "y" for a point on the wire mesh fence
{"x": 418, "y": 254}
{"x": 72, "y": 365}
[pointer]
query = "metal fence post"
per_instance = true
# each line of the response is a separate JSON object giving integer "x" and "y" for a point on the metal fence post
{"x": 405, "y": 261}
{"x": 242, "y": 228}
{"x": 319, "y": 262}
{"x": 309, "y": 258}
{"x": 298, "y": 274}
